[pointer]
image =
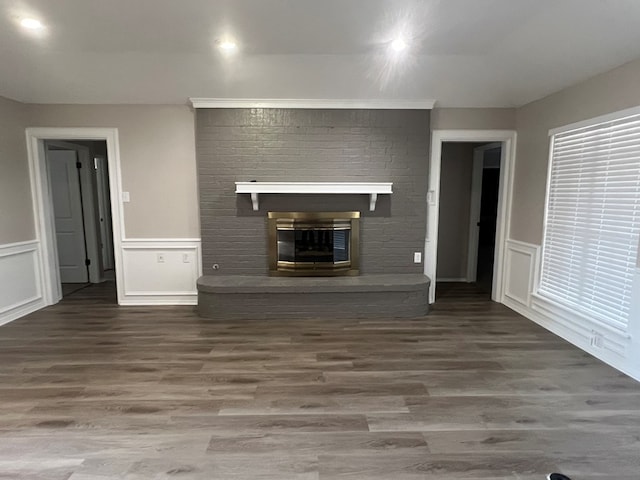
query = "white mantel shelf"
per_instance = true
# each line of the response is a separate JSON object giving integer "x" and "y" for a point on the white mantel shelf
{"x": 366, "y": 188}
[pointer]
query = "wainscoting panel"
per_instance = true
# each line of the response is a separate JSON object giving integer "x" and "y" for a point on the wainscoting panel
{"x": 161, "y": 271}
{"x": 20, "y": 280}
{"x": 522, "y": 265}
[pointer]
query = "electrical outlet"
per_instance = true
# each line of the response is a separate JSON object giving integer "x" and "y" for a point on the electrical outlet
{"x": 161, "y": 258}
{"x": 417, "y": 257}
{"x": 597, "y": 340}
{"x": 185, "y": 258}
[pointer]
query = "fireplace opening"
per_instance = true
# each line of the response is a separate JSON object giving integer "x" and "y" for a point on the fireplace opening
{"x": 314, "y": 243}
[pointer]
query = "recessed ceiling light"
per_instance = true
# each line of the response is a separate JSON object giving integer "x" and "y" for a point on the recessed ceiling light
{"x": 398, "y": 45}
{"x": 227, "y": 46}
{"x": 31, "y": 24}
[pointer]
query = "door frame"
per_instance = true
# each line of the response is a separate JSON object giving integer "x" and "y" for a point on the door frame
{"x": 43, "y": 208}
{"x": 474, "y": 208}
{"x": 104, "y": 211}
{"x": 508, "y": 140}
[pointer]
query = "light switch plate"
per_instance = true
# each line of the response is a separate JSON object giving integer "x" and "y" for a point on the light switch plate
{"x": 125, "y": 197}
{"x": 417, "y": 257}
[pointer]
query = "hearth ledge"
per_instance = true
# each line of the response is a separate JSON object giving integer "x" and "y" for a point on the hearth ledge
{"x": 263, "y": 297}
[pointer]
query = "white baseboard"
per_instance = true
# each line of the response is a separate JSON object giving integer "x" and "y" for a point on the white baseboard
{"x": 20, "y": 280}
{"x": 21, "y": 310}
{"x": 521, "y": 278}
{"x": 163, "y": 299}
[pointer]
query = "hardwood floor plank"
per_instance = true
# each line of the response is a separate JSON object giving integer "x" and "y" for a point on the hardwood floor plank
{"x": 559, "y": 441}
{"x": 428, "y": 466}
{"x": 321, "y": 443}
{"x": 273, "y": 423}
{"x": 93, "y": 391}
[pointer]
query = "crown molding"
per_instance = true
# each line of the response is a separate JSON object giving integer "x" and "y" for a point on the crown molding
{"x": 319, "y": 103}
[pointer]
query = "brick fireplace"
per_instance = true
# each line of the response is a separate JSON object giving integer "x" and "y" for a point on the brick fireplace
{"x": 301, "y": 145}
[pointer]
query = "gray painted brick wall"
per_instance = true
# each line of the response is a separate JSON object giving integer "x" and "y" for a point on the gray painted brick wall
{"x": 311, "y": 145}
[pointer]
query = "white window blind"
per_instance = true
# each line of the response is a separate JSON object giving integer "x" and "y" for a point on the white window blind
{"x": 592, "y": 223}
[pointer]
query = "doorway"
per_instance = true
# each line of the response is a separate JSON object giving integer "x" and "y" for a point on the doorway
{"x": 77, "y": 172}
{"x": 76, "y": 208}
{"x": 483, "y": 215}
{"x": 489, "y": 139}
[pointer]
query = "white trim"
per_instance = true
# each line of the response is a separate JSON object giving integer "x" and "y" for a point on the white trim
{"x": 614, "y": 351}
{"x": 508, "y": 140}
{"x": 28, "y": 305}
{"x": 616, "y": 348}
{"x": 9, "y": 248}
{"x": 20, "y": 310}
{"x": 569, "y": 316}
{"x": 165, "y": 293}
{"x": 596, "y": 120}
{"x": 318, "y": 103}
{"x": 369, "y": 188}
{"x": 163, "y": 298}
{"x": 42, "y": 208}
{"x": 161, "y": 240}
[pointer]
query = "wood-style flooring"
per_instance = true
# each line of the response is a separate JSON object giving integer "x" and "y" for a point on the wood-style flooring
{"x": 93, "y": 391}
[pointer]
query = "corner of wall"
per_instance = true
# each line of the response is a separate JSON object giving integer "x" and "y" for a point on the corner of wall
{"x": 521, "y": 267}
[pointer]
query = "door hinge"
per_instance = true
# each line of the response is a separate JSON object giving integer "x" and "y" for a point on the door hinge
{"x": 78, "y": 165}
{"x": 87, "y": 262}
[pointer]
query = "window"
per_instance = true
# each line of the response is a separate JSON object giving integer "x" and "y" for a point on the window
{"x": 592, "y": 221}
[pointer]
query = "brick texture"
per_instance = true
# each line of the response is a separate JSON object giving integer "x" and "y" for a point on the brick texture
{"x": 311, "y": 145}
{"x": 313, "y": 305}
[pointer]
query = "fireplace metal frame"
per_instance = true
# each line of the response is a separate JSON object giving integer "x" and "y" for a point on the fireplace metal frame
{"x": 328, "y": 220}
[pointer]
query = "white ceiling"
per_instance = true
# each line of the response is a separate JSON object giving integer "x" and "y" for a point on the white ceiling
{"x": 464, "y": 53}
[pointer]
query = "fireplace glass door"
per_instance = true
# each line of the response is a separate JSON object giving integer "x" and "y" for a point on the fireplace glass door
{"x": 312, "y": 243}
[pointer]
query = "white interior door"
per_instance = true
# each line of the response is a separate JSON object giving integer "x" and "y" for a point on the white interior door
{"x": 67, "y": 208}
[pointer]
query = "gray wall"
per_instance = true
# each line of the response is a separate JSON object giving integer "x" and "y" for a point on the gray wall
{"x": 609, "y": 92}
{"x": 311, "y": 145}
{"x": 157, "y": 157}
{"x": 16, "y": 211}
{"x": 473, "y": 119}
